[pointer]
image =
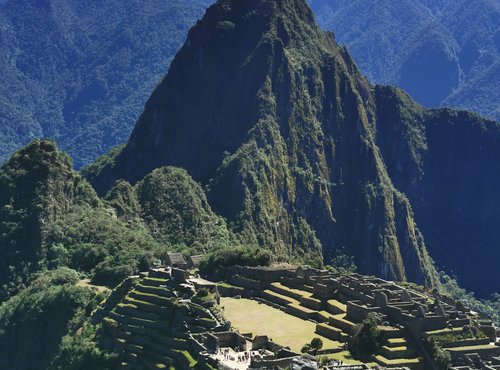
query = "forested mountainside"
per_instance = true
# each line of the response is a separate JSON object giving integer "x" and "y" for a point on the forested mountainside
{"x": 300, "y": 152}
{"x": 59, "y": 240}
{"x": 51, "y": 217}
{"x": 57, "y": 237}
{"x": 444, "y": 53}
{"x": 263, "y": 143}
{"x": 80, "y": 72}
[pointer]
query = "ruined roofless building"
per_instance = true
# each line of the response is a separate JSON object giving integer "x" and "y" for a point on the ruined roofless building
{"x": 176, "y": 260}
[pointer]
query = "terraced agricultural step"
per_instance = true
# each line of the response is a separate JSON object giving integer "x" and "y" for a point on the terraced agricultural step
{"x": 152, "y": 281}
{"x": 331, "y": 332}
{"x": 340, "y": 321}
{"x": 151, "y": 298}
{"x": 134, "y": 311}
{"x": 131, "y": 358}
{"x": 323, "y": 316}
{"x": 187, "y": 358}
{"x": 169, "y": 341}
{"x": 154, "y": 358}
{"x": 157, "y": 366}
{"x": 308, "y": 288}
{"x": 296, "y": 294}
{"x": 159, "y": 351}
{"x": 159, "y": 291}
{"x": 161, "y": 274}
{"x": 312, "y": 303}
{"x": 148, "y": 307}
{"x": 396, "y": 342}
{"x": 393, "y": 353}
{"x": 278, "y": 298}
{"x": 296, "y": 309}
{"x": 390, "y": 332}
{"x": 445, "y": 331}
{"x": 133, "y": 348}
{"x": 335, "y": 307}
{"x": 485, "y": 351}
{"x": 411, "y": 363}
{"x": 127, "y": 320}
{"x": 206, "y": 323}
{"x": 159, "y": 343}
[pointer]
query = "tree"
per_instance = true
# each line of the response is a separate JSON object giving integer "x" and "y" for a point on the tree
{"x": 366, "y": 340}
{"x": 313, "y": 347}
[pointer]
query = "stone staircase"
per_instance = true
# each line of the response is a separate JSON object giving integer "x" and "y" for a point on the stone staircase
{"x": 396, "y": 352}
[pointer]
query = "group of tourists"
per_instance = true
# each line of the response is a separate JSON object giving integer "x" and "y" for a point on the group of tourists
{"x": 244, "y": 357}
{"x": 241, "y": 357}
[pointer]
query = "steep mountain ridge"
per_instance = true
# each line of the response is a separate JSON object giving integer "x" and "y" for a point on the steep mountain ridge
{"x": 447, "y": 163}
{"x": 283, "y": 135}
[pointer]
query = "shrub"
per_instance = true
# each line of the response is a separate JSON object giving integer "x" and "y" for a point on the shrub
{"x": 441, "y": 358}
{"x": 367, "y": 339}
{"x": 217, "y": 261}
{"x": 313, "y": 347}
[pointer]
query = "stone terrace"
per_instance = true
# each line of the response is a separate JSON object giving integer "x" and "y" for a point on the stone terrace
{"x": 337, "y": 303}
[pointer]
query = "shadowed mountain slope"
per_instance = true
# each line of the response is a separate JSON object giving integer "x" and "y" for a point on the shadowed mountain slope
{"x": 273, "y": 116}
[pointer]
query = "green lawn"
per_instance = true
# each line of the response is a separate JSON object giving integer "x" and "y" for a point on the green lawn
{"x": 249, "y": 316}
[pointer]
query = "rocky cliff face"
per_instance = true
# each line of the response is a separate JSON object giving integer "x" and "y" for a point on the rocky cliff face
{"x": 296, "y": 148}
{"x": 447, "y": 163}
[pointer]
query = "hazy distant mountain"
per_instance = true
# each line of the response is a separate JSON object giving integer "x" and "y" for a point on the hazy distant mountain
{"x": 444, "y": 53}
{"x": 81, "y": 71}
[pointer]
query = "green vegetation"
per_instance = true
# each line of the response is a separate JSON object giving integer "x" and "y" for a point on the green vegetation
{"x": 34, "y": 322}
{"x": 291, "y": 163}
{"x": 342, "y": 263}
{"x": 217, "y": 261}
{"x": 468, "y": 332}
{"x": 490, "y": 307}
{"x": 37, "y": 185}
{"x": 313, "y": 347}
{"x": 90, "y": 240}
{"x": 442, "y": 52}
{"x": 366, "y": 340}
{"x": 52, "y": 218}
{"x": 441, "y": 358}
{"x": 79, "y": 351}
{"x": 82, "y": 73}
{"x": 176, "y": 211}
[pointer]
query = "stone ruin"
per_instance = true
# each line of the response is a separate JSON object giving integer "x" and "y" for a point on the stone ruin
{"x": 337, "y": 303}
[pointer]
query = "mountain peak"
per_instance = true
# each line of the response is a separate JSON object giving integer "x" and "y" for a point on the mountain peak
{"x": 230, "y": 62}
{"x": 273, "y": 116}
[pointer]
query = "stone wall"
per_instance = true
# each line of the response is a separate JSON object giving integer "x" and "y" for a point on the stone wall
{"x": 245, "y": 282}
{"x": 358, "y": 312}
{"x": 224, "y": 340}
